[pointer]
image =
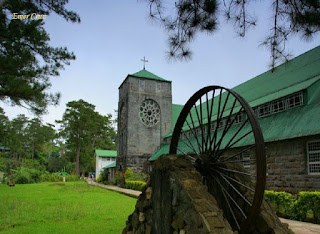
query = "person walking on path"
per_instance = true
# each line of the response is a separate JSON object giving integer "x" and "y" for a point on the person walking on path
{"x": 91, "y": 178}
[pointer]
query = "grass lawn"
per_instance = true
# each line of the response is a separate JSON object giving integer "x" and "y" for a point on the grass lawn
{"x": 72, "y": 207}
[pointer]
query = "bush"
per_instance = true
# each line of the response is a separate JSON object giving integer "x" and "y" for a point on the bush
{"x": 56, "y": 177}
{"x": 307, "y": 203}
{"x": 135, "y": 185}
{"x": 26, "y": 175}
{"x": 119, "y": 179}
{"x": 99, "y": 178}
{"x": 282, "y": 202}
{"x": 305, "y": 208}
{"x": 104, "y": 176}
{"x": 136, "y": 176}
{"x": 128, "y": 174}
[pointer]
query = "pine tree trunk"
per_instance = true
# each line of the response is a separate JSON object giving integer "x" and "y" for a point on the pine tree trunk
{"x": 32, "y": 151}
{"x": 78, "y": 159}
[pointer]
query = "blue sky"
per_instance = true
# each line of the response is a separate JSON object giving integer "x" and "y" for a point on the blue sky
{"x": 114, "y": 36}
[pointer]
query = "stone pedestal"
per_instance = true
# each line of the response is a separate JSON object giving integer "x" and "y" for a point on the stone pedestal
{"x": 176, "y": 201}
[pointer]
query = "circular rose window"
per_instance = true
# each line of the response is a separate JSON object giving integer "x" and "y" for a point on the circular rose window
{"x": 149, "y": 112}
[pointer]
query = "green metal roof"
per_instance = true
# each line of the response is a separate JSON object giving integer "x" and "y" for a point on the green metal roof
{"x": 4, "y": 148}
{"x": 111, "y": 165}
{"x": 301, "y": 73}
{"x": 284, "y": 77}
{"x": 106, "y": 153}
{"x": 147, "y": 75}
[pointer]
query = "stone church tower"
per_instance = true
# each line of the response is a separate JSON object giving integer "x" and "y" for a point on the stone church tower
{"x": 144, "y": 116}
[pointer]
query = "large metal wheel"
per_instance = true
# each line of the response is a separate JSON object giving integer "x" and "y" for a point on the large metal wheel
{"x": 218, "y": 131}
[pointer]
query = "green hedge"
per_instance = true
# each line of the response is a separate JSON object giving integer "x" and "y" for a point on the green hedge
{"x": 281, "y": 202}
{"x": 305, "y": 207}
{"x": 135, "y": 185}
{"x": 56, "y": 177}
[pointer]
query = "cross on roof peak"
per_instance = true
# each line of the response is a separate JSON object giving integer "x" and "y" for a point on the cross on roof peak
{"x": 144, "y": 62}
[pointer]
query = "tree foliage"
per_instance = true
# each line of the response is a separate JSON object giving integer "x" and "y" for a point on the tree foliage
{"x": 24, "y": 137}
{"x": 84, "y": 130}
{"x": 190, "y": 17}
{"x": 27, "y": 61}
{"x": 39, "y": 135}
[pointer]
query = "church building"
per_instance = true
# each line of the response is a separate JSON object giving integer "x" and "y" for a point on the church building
{"x": 144, "y": 106}
{"x": 286, "y": 102}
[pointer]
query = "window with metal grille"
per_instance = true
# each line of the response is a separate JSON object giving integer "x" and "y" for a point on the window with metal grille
{"x": 264, "y": 110}
{"x": 278, "y": 105}
{"x": 313, "y": 154}
{"x": 294, "y": 100}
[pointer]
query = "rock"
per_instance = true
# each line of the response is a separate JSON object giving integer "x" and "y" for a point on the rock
{"x": 141, "y": 217}
{"x": 148, "y": 193}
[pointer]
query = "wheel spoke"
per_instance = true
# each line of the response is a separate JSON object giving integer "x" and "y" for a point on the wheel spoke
{"x": 235, "y": 189}
{"x": 190, "y": 146}
{"x": 213, "y": 140}
{"x": 199, "y": 121}
{"x": 234, "y": 161}
{"x": 224, "y": 192}
{"x": 193, "y": 130}
{"x": 227, "y": 126}
{"x": 236, "y": 181}
{"x": 201, "y": 126}
{"x": 243, "y": 136}
{"x": 232, "y": 156}
{"x": 237, "y": 172}
{"x": 184, "y": 153}
{"x": 208, "y": 146}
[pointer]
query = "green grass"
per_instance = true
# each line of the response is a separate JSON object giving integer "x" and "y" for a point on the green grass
{"x": 73, "y": 207}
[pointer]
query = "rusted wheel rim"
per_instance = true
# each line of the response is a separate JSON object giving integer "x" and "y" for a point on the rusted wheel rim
{"x": 218, "y": 131}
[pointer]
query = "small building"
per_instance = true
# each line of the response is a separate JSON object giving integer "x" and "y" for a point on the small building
{"x": 104, "y": 158}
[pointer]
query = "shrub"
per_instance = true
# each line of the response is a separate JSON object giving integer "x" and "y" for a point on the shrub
{"x": 99, "y": 178}
{"x": 56, "y": 177}
{"x": 104, "y": 175}
{"x": 24, "y": 175}
{"x": 22, "y": 179}
{"x": 307, "y": 202}
{"x": 119, "y": 179}
{"x": 135, "y": 185}
{"x": 128, "y": 174}
{"x": 282, "y": 202}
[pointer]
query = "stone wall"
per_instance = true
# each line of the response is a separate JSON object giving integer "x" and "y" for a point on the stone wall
{"x": 287, "y": 168}
{"x": 176, "y": 201}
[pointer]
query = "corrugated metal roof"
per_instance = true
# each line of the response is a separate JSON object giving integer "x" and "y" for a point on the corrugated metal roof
{"x": 287, "y": 75}
{"x": 106, "y": 153}
{"x": 301, "y": 73}
{"x": 293, "y": 76}
{"x": 147, "y": 75}
{"x": 111, "y": 165}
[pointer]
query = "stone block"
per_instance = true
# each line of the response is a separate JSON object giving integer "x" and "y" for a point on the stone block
{"x": 148, "y": 193}
{"x": 141, "y": 217}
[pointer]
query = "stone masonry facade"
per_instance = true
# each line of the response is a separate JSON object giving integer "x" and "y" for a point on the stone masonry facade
{"x": 176, "y": 201}
{"x": 287, "y": 166}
